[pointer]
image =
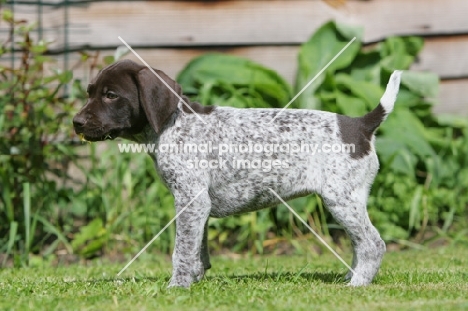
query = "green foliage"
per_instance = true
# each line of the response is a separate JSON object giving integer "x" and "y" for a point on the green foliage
{"x": 423, "y": 160}
{"x": 33, "y": 119}
{"x": 226, "y": 80}
{"x": 125, "y": 201}
{"x": 317, "y": 52}
{"x": 90, "y": 238}
{"x": 91, "y": 200}
{"x": 56, "y": 197}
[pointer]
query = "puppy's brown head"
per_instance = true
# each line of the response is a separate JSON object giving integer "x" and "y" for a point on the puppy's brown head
{"x": 123, "y": 99}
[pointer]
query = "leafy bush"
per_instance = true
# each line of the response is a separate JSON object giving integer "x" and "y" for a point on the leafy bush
{"x": 33, "y": 126}
{"x": 423, "y": 159}
{"x": 56, "y": 197}
{"x": 234, "y": 81}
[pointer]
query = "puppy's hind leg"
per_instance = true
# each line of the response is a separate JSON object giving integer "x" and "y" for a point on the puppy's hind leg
{"x": 368, "y": 248}
{"x": 205, "y": 254}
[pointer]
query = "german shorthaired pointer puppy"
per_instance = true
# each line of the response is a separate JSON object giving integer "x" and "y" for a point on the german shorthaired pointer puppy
{"x": 127, "y": 100}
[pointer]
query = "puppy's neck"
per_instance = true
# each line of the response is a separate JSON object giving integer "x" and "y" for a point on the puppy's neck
{"x": 148, "y": 134}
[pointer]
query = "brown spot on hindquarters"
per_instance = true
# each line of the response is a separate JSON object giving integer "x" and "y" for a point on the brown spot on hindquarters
{"x": 359, "y": 131}
{"x": 352, "y": 134}
{"x": 198, "y": 108}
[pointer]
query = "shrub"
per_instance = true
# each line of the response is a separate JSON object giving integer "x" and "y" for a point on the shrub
{"x": 34, "y": 122}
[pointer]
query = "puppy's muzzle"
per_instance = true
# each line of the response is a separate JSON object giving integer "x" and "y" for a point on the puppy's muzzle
{"x": 78, "y": 123}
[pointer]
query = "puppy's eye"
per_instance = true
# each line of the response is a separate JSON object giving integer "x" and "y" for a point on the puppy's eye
{"x": 111, "y": 95}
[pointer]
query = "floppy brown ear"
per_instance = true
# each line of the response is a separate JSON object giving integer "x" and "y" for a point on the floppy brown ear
{"x": 158, "y": 101}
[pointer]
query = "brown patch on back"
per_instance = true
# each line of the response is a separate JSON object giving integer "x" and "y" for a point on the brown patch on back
{"x": 359, "y": 131}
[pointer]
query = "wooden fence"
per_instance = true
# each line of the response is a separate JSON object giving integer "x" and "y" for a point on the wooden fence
{"x": 168, "y": 34}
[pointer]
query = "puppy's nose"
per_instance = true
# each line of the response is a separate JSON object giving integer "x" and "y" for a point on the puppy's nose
{"x": 78, "y": 122}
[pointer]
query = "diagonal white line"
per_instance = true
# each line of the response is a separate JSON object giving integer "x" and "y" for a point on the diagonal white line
{"x": 159, "y": 77}
{"x": 314, "y": 78}
{"x": 312, "y": 230}
{"x": 157, "y": 235}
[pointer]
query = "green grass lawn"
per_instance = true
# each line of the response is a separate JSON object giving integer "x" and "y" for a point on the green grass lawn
{"x": 434, "y": 279}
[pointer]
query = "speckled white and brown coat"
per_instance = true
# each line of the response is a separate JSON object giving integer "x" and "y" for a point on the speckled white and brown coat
{"x": 128, "y": 100}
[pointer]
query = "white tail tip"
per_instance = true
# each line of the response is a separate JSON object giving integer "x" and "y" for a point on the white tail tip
{"x": 389, "y": 97}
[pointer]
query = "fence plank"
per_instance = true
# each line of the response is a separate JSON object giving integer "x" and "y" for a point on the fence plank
{"x": 447, "y": 57}
{"x": 266, "y": 31}
{"x": 195, "y": 23}
{"x": 452, "y": 97}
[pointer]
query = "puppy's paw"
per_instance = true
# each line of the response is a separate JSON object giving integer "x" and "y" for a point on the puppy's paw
{"x": 348, "y": 276}
{"x": 358, "y": 280}
{"x": 183, "y": 281}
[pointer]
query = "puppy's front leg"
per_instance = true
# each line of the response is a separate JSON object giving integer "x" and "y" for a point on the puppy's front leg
{"x": 186, "y": 259}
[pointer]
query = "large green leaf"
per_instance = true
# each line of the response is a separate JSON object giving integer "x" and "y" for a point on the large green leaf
{"x": 318, "y": 51}
{"x": 424, "y": 84}
{"x": 399, "y": 52}
{"x": 395, "y": 155}
{"x": 368, "y": 92}
{"x": 402, "y": 125}
{"x": 350, "y": 106}
{"x": 218, "y": 75}
{"x": 366, "y": 66}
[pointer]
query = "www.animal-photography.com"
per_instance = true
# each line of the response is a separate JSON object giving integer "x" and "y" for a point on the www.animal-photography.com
{"x": 233, "y": 155}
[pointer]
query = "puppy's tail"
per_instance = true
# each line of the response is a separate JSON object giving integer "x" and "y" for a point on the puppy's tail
{"x": 373, "y": 119}
{"x": 389, "y": 97}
